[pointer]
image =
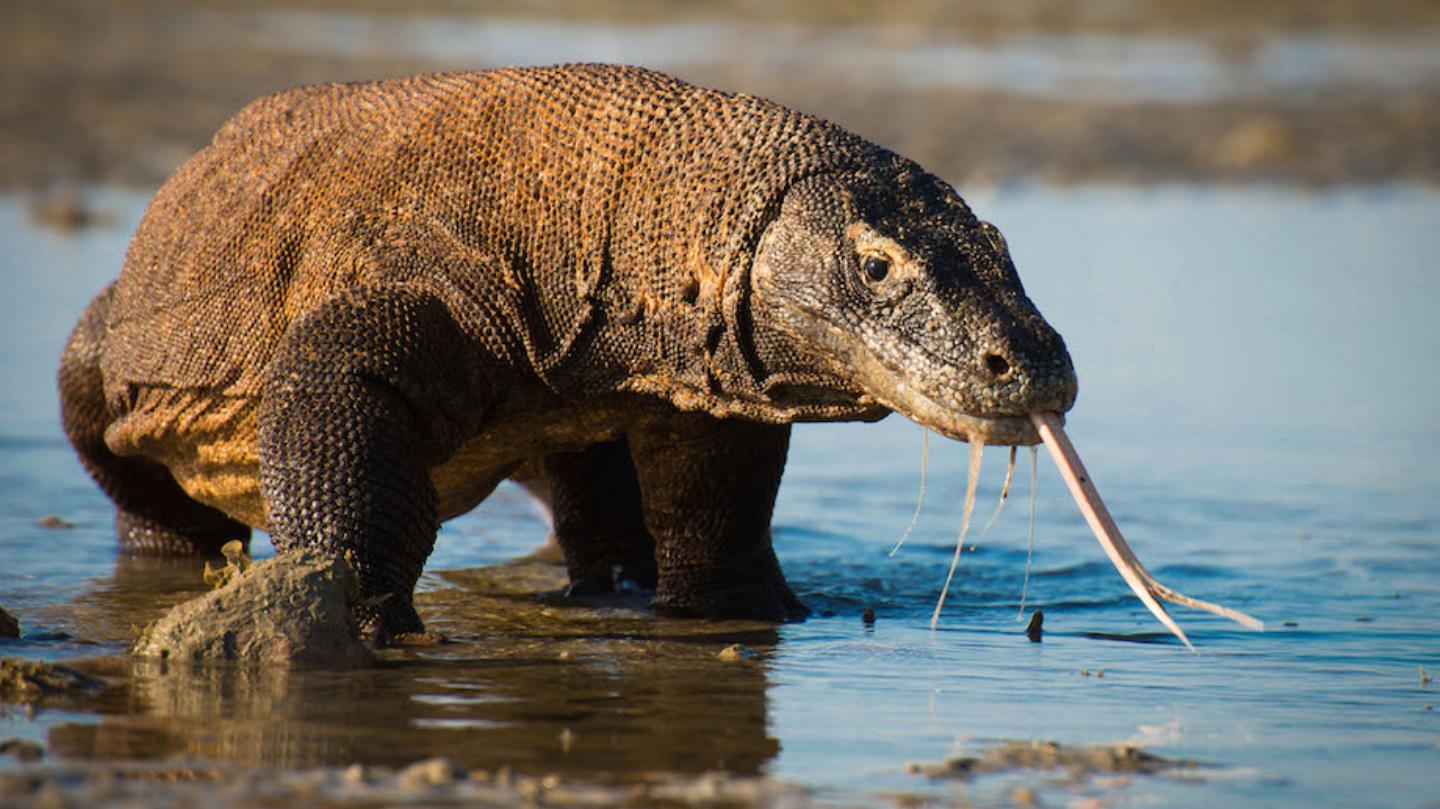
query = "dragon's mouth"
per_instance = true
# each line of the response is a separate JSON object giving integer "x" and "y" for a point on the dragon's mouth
{"x": 898, "y": 390}
{"x": 903, "y": 393}
{"x": 1047, "y": 428}
{"x": 1003, "y": 430}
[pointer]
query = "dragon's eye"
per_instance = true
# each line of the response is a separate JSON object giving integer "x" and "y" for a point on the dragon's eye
{"x": 875, "y": 268}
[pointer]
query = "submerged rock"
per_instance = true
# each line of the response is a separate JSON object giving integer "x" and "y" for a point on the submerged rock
{"x": 9, "y": 627}
{"x": 295, "y": 608}
{"x": 1077, "y": 760}
{"x": 431, "y": 772}
{"x": 21, "y": 750}
{"x": 736, "y": 652}
{"x": 27, "y": 681}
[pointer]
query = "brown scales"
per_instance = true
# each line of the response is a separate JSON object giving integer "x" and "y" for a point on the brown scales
{"x": 363, "y": 305}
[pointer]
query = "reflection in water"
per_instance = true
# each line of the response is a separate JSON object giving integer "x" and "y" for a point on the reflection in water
{"x": 528, "y": 683}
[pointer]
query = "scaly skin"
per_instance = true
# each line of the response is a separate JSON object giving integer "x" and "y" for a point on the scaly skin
{"x": 364, "y": 305}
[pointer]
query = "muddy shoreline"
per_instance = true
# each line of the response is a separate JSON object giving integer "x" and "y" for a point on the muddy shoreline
{"x": 123, "y": 92}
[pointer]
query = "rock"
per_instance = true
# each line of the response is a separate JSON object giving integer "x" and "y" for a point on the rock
{"x": 1257, "y": 141}
{"x": 1035, "y": 631}
{"x": 34, "y": 680}
{"x": 22, "y": 749}
{"x": 431, "y": 772}
{"x": 293, "y": 609}
{"x": 736, "y": 652}
{"x": 1078, "y": 760}
{"x": 9, "y": 626}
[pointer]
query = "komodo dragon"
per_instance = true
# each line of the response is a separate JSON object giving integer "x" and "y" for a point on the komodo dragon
{"x": 362, "y": 306}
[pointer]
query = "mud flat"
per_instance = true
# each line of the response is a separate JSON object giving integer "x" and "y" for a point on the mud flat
{"x": 1290, "y": 92}
{"x": 432, "y": 782}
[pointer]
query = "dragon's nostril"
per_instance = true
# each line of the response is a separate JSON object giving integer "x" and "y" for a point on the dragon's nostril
{"x": 996, "y": 365}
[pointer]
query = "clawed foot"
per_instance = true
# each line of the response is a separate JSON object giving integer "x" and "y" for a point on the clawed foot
{"x": 394, "y": 624}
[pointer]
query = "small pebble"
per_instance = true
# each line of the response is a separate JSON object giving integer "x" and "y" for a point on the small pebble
{"x": 529, "y": 788}
{"x": 736, "y": 652}
{"x": 22, "y": 749}
{"x": 429, "y": 773}
{"x": 868, "y": 616}
{"x": 54, "y": 522}
{"x": 355, "y": 774}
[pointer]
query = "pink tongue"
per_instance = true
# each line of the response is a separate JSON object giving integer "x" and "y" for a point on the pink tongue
{"x": 1108, "y": 534}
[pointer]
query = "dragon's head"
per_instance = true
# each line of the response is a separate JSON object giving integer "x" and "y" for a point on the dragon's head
{"x": 881, "y": 289}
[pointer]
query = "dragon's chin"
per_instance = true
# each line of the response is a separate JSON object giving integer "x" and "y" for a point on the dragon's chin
{"x": 1003, "y": 430}
{"x": 990, "y": 430}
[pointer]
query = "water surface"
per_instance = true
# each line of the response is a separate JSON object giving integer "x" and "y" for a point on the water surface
{"x": 1258, "y": 387}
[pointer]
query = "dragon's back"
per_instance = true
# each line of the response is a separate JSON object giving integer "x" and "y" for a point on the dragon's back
{"x": 533, "y": 198}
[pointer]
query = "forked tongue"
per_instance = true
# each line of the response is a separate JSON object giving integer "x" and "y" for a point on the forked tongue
{"x": 1108, "y": 534}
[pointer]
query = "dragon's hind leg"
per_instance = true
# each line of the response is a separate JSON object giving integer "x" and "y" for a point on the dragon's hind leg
{"x": 708, "y": 493}
{"x": 153, "y": 515}
{"x": 598, "y": 519}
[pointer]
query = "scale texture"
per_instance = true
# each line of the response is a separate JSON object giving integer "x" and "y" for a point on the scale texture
{"x": 364, "y": 305}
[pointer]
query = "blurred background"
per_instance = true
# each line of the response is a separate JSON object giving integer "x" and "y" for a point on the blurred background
{"x": 1310, "y": 92}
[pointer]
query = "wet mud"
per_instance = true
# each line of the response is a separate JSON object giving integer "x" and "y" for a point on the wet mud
{"x": 28, "y": 682}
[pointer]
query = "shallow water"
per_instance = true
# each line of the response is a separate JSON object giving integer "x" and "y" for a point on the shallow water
{"x": 1258, "y": 379}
